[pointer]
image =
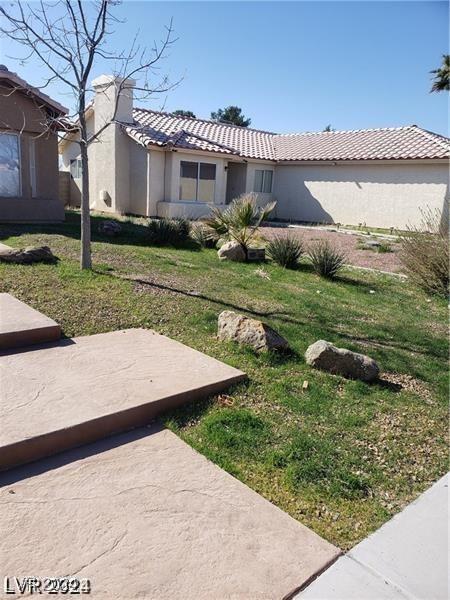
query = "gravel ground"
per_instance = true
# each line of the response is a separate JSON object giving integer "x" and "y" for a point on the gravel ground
{"x": 345, "y": 242}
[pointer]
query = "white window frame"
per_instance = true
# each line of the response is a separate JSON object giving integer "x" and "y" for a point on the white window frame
{"x": 19, "y": 149}
{"x": 78, "y": 168}
{"x": 263, "y": 181}
{"x": 199, "y": 163}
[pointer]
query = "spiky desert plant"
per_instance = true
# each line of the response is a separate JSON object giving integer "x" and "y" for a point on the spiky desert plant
{"x": 425, "y": 252}
{"x": 168, "y": 231}
{"x": 204, "y": 235}
{"x": 240, "y": 220}
{"x": 285, "y": 251}
{"x": 326, "y": 260}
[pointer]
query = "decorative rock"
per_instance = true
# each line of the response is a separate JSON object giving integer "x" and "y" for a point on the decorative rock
{"x": 232, "y": 251}
{"x": 27, "y": 255}
{"x": 110, "y": 228}
{"x": 241, "y": 329}
{"x": 340, "y": 361}
{"x": 371, "y": 244}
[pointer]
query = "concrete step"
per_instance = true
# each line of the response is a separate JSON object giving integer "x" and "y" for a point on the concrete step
{"x": 21, "y": 325}
{"x": 142, "y": 515}
{"x": 76, "y": 391}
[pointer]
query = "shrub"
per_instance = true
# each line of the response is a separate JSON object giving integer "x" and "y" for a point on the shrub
{"x": 326, "y": 260}
{"x": 183, "y": 227}
{"x": 285, "y": 251}
{"x": 240, "y": 220}
{"x": 168, "y": 231}
{"x": 204, "y": 235}
{"x": 425, "y": 253}
{"x": 384, "y": 247}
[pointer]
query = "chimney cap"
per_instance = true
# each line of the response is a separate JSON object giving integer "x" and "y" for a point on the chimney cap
{"x": 108, "y": 80}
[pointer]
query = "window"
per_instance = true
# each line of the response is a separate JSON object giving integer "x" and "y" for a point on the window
{"x": 197, "y": 181}
{"x": 9, "y": 165}
{"x": 75, "y": 168}
{"x": 263, "y": 181}
{"x": 33, "y": 167}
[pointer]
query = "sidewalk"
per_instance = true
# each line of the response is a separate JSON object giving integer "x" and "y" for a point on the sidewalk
{"x": 407, "y": 558}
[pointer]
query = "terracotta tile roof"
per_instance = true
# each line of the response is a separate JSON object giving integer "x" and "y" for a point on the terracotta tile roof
{"x": 168, "y": 131}
{"x": 196, "y": 134}
{"x": 409, "y": 142}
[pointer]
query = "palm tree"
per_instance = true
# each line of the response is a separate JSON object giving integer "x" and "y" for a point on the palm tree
{"x": 442, "y": 75}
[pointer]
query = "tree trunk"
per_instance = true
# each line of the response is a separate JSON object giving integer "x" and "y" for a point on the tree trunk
{"x": 85, "y": 259}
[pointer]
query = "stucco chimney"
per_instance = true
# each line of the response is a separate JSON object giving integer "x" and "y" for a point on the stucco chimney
{"x": 110, "y": 190}
{"x": 108, "y": 90}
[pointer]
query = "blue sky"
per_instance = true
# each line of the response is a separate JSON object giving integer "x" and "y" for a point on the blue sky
{"x": 293, "y": 66}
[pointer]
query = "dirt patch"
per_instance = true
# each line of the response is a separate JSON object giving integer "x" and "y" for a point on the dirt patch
{"x": 403, "y": 382}
{"x": 347, "y": 243}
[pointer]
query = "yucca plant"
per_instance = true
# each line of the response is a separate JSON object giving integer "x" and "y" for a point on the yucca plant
{"x": 285, "y": 251}
{"x": 168, "y": 231}
{"x": 240, "y": 220}
{"x": 204, "y": 235}
{"x": 326, "y": 260}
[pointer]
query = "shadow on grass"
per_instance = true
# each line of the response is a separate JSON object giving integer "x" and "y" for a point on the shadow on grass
{"x": 282, "y": 316}
{"x": 132, "y": 234}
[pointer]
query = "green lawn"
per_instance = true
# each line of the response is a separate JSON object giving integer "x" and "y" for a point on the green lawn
{"x": 342, "y": 456}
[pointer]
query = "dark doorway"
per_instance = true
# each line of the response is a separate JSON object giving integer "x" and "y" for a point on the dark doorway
{"x": 236, "y": 177}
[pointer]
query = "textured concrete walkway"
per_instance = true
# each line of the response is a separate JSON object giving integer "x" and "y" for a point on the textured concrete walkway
{"x": 407, "y": 558}
{"x": 21, "y": 325}
{"x": 142, "y": 515}
{"x": 76, "y": 391}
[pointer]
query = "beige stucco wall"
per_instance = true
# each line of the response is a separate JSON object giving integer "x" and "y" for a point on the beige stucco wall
{"x": 171, "y": 206}
{"x": 380, "y": 195}
{"x": 262, "y": 198}
{"x": 19, "y": 114}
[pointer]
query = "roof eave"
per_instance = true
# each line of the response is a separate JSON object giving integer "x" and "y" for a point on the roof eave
{"x": 333, "y": 161}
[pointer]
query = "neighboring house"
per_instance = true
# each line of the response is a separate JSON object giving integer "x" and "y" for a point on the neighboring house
{"x": 156, "y": 164}
{"x": 28, "y": 152}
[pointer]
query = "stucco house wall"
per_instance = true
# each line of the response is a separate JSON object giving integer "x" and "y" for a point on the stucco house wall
{"x": 21, "y": 116}
{"x": 262, "y": 198}
{"x": 172, "y": 206}
{"x": 381, "y": 195}
{"x": 135, "y": 168}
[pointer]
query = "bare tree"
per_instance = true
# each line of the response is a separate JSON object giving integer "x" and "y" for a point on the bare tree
{"x": 68, "y": 37}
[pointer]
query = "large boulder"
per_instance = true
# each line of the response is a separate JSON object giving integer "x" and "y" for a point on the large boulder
{"x": 241, "y": 329}
{"x": 30, "y": 254}
{"x": 109, "y": 228}
{"x": 340, "y": 361}
{"x": 232, "y": 251}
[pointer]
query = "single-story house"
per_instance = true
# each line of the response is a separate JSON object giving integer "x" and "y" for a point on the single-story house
{"x": 29, "y": 169}
{"x": 156, "y": 164}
